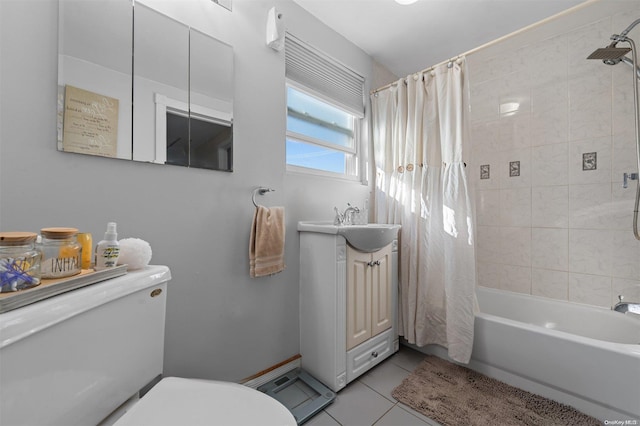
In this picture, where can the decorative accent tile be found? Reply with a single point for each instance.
(484, 171)
(514, 168)
(589, 161)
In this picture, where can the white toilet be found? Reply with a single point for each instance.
(202, 402)
(79, 357)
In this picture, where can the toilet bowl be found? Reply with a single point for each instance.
(177, 401)
(82, 357)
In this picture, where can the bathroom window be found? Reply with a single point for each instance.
(325, 107)
(320, 136)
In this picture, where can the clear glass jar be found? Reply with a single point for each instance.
(19, 261)
(61, 252)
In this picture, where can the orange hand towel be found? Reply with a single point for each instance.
(266, 245)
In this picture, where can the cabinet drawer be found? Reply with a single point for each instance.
(370, 353)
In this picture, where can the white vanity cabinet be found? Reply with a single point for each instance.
(348, 305)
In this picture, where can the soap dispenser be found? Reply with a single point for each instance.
(108, 250)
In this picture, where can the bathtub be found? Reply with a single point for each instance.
(583, 356)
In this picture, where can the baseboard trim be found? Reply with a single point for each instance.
(272, 372)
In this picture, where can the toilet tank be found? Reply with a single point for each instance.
(74, 358)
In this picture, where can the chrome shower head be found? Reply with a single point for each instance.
(610, 55)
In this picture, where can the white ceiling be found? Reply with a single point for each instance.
(407, 39)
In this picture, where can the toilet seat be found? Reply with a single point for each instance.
(177, 401)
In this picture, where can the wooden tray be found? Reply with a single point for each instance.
(52, 287)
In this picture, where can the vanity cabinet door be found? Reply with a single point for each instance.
(358, 297)
(369, 310)
(381, 299)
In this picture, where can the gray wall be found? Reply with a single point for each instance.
(220, 323)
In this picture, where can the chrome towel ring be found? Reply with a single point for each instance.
(260, 190)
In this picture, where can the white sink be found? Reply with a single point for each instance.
(367, 238)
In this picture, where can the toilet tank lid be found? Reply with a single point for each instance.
(28, 320)
(194, 402)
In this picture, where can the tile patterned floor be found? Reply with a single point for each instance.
(367, 401)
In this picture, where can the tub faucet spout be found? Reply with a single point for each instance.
(625, 307)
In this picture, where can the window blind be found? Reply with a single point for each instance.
(322, 74)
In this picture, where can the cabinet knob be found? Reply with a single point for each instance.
(374, 354)
(377, 262)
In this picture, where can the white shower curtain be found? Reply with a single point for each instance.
(420, 142)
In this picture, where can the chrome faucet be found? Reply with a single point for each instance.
(339, 219)
(625, 307)
(348, 214)
(345, 218)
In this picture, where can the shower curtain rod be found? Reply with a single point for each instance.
(386, 86)
(490, 43)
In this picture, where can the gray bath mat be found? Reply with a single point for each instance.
(455, 395)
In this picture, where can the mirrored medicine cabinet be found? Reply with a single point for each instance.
(138, 85)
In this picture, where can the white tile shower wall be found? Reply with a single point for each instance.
(556, 230)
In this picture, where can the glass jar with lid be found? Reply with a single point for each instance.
(61, 252)
(19, 261)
